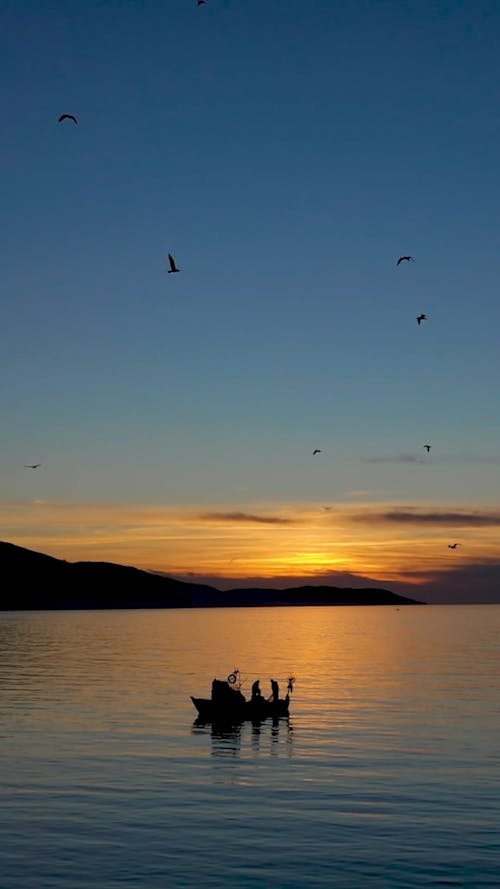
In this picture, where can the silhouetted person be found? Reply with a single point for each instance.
(275, 690)
(256, 692)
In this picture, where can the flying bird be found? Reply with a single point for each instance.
(201, 2)
(427, 447)
(173, 267)
(68, 117)
(317, 451)
(32, 465)
(453, 545)
(421, 318)
(405, 258)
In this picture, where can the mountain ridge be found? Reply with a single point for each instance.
(43, 582)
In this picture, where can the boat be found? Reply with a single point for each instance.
(228, 704)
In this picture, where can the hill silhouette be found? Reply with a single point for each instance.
(35, 581)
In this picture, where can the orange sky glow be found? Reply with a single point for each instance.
(383, 541)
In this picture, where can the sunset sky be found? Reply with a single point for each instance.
(286, 153)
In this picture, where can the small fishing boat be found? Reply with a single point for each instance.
(228, 704)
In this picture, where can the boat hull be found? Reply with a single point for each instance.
(210, 711)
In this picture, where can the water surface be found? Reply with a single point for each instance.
(385, 775)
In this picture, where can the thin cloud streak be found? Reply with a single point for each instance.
(484, 459)
(493, 459)
(246, 518)
(394, 458)
(312, 578)
(411, 517)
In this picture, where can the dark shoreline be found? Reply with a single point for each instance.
(34, 581)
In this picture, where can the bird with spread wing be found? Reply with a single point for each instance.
(173, 268)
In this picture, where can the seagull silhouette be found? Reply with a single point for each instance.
(427, 447)
(201, 2)
(453, 545)
(317, 451)
(173, 267)
(32, 465)
(68, 117)
(405, 258)
(421, 318)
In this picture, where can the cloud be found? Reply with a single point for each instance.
(361, 493)
(493, 459)
(245, 517)
(436, 517)
(314, 578)
(394, 458)
(474, 583)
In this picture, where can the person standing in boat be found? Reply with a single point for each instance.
(256, 692)
(275, 690)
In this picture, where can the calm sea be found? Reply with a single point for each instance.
(387, 773)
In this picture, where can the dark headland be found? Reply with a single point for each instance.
(34, 581)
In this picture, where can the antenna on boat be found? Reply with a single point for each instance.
(233, 677)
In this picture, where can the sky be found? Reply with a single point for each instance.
(287, 154)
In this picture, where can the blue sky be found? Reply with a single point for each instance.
(286, 153)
